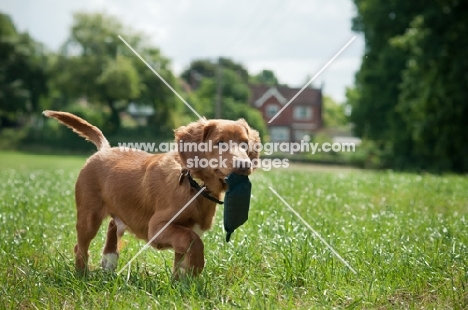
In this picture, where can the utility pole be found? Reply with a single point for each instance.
(219, 86)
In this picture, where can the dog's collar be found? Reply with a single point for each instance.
(205, 193)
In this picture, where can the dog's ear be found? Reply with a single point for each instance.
(209, 127)
(188, 139)
(254, 140)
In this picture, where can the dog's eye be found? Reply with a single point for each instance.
(244, 145)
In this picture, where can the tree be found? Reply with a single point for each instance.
(119, 83)
(433, 100)
(235, 97)
(334, 113)
(206, 68)
(411, 92)
(95, 64)
(266, 77)
(378, 79)
(23, 79)
(153, 92)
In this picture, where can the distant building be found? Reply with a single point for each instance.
(140, 113)
(302, 117)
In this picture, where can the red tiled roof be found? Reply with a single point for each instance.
(308, 96)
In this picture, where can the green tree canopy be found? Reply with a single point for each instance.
(235, 95)
(266, 77)
(433, 99)
(23, 77)
(95, 64)
(334, 113)
(378, 79)
(208, 68)
(411, 92)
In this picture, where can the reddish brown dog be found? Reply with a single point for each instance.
(142, 192)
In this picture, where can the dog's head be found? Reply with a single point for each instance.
(219, 146)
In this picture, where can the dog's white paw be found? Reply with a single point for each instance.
(109, 261)
(179, 273)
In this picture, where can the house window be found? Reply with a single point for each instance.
(302, 113)
(301, 135)
(278, 134)
(271, 110)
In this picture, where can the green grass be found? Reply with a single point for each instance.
(405, 234)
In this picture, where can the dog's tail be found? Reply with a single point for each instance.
(81, 127)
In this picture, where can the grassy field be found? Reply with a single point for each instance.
(405, 234)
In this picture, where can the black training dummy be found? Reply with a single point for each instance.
(236, 202)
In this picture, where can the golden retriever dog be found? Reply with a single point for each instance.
(142, 192)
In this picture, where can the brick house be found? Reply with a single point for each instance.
(303, 116)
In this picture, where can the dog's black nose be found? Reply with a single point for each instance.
(242, 166)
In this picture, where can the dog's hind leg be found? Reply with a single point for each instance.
(110, 254)
(89, 218)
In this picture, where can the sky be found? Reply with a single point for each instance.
(294, 38)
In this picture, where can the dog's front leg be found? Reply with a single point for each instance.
(187, 245)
